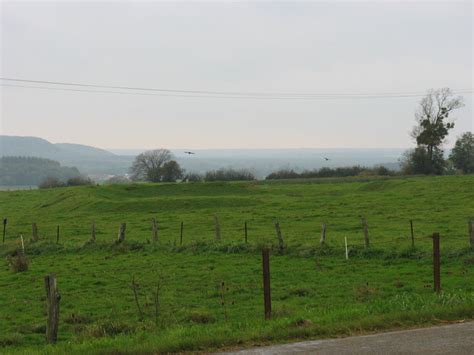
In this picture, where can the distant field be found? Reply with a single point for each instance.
(316, 292)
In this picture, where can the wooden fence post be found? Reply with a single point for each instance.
(471, 232)
(217, 227)
(245, 232)
(22, 244)
(52, 302)
(121, 233)
(34, 228)
(323, 234)
(93, 232)
(57, 234)
(5, 221)
(347, 250)
(267, 299)
(366, 231)
(281, 242)
(436, 263)
(181, 234)
(412, 234)
(154, 228)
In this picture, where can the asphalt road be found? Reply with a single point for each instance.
(455, 339)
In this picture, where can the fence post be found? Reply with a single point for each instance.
(93, 232)
(52, 302)
(181, 234)
(245, 232)
(471, 232)
(281, 243)
(217, 227)
(5, 221)
(34, 228)
(267, 299)
(22, 244)
(121, 233)
(347, 250)
(436, 263)
(57, 234)
(366, 231)
(323, 234)
(154, 228)
(412, 234)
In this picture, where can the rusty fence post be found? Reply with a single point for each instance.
(181, 234)
(266, 283)
(412, 234)
(57, 234)
(52, 302)
(436, 263)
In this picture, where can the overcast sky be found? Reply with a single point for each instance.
(282, 47)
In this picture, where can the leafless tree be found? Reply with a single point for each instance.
(432, 118)
(148, 165)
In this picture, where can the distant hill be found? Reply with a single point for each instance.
(17, 171)
(99, 163)
(89, 160)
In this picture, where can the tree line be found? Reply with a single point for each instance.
(433, 119)
(32, 171)
(433, 122)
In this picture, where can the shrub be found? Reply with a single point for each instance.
(193, 177)
(229, 175)
(79, 181)
(331, 172)
(117, 180)
(283, 174)
(50, 182)
(418, 161)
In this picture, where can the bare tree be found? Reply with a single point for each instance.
(148, 165)
(432, 118)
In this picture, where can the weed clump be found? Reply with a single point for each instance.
(301, 323)
(13, 339)
(109, 329)
(74, 318)
(18, 262)
(200, 317)
(365, 293)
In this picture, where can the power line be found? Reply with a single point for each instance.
(211, 94)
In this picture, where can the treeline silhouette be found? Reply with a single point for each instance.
(32, 171)
(331, 172)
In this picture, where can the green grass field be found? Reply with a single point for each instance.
(210, 292)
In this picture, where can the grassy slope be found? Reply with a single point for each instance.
(310, 284)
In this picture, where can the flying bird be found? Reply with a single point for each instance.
(189, 153)
(327, 159)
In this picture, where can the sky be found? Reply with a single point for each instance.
(267, 47)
